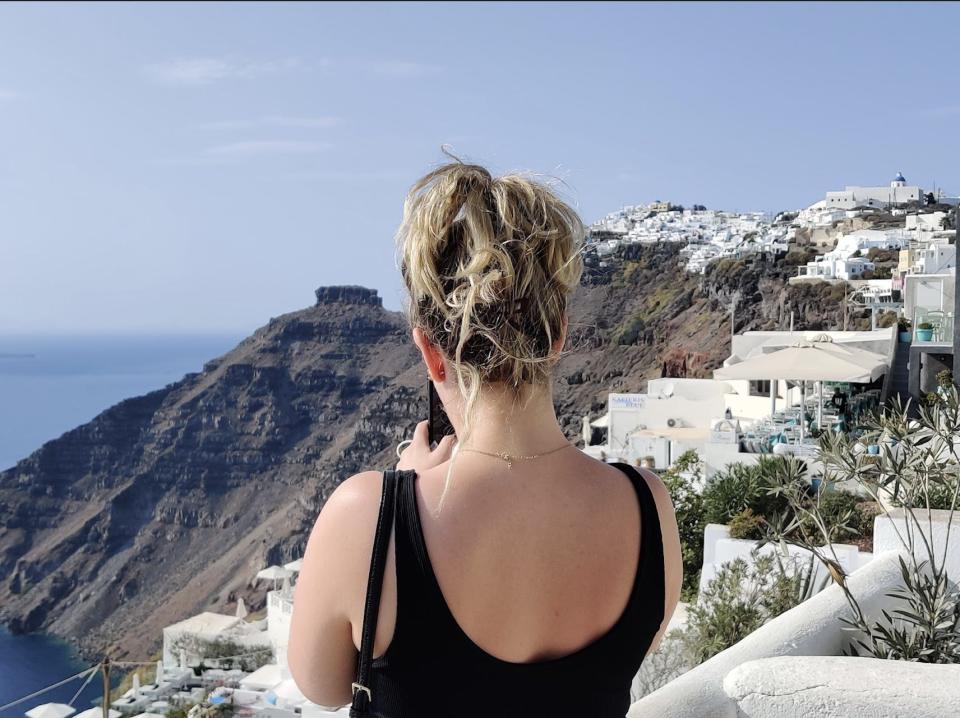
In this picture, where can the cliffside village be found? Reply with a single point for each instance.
(892, 246)
(773, 395)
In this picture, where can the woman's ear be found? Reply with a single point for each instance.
(562, 339)
(432, 356)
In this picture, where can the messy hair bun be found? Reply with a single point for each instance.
(489, 264)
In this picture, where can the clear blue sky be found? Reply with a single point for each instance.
(205, 167)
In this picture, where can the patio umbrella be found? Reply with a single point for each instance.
(241, 608)
(820, 360)
(809, 361)
(136, 683)
(273, 573)
(98, 713)
(51, 710)
(289, 691)
(264, 678)
(294, 566)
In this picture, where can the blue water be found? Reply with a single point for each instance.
(29, 663)
(50, 384)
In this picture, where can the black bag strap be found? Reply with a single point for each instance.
(371, 608)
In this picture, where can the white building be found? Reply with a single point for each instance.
(935, 258)
(924, 293)
(930, 221)
(898, 192)
(844, 261)
(191, 634)
(708, 415)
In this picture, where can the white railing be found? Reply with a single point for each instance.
(277, 600)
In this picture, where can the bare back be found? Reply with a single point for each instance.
(535, 561)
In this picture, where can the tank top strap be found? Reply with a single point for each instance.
(649, 600)
(414, 572)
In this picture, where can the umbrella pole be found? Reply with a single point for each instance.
(803, 407)
(820, 405)
(105, 669)
(773, 397)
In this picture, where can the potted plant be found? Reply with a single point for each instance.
(904, 326)
(925, 331)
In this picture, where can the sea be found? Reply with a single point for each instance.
(29, 663)
(51, 384)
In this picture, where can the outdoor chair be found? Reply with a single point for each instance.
(938, 319)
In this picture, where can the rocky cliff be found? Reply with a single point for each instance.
(167, 504)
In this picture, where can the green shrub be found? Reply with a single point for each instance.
(628, 332)
(682, 481)
(839, 512)
(741, 598)
(916, 469)
(729, 492)
(738, 487)
(746, 525)
(867, 511)
(942, 495)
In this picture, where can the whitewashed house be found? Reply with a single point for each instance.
(898, 192)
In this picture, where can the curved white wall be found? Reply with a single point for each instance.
(843, 687)
(811, 629)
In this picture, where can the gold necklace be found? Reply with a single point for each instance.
(510, 458)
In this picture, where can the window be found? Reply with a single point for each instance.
(760, 387)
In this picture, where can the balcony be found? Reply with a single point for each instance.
(933, 326)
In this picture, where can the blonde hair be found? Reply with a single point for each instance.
(489, 264)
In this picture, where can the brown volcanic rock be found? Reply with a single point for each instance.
(167, 504)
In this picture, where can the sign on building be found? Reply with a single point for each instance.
(627, 401)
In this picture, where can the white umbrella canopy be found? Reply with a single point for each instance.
(51, 710)
(289, 691)
(98, 713)
(601, 423)
(273, 573)
(264, 678)
(809, 361)
(294, 566)
(241, 608)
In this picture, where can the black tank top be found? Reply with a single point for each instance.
(432, 669)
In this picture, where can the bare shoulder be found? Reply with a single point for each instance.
(339, 546)
(659, 490)
(352, 509)
(332, 580)
(357, 490)
(669, 531)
